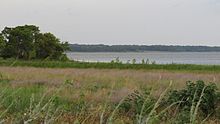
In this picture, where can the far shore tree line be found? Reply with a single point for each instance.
(27, 43)
(140, 48)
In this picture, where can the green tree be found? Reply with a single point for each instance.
(2, 43)
(26, 42)
(19, 41)
(47, 46)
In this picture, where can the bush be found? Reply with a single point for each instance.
(192, 93)
(183, 106)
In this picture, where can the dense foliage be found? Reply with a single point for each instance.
(193, 93)
(27, 42)
(140, 48)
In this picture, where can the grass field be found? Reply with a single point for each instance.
(91, 95)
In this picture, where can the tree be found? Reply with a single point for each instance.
(19, 41)
(2, 43)
(50, 47)
(26, 42)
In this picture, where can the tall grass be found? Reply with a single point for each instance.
(195, 107)
(156, 105)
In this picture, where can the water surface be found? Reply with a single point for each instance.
(210, 58)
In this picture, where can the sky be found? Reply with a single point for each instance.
(142, 22)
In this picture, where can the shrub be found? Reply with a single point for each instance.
(192, 94)
(182, 106)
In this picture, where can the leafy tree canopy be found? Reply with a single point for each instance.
(2, 42)
(27, 42)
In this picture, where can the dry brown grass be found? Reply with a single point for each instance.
(81, 76)
(125, 81)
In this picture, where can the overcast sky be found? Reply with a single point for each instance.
(167, 22)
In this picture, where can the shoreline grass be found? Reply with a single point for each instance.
(102, 65)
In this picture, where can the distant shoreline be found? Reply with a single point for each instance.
(141, 48)
(144, 52)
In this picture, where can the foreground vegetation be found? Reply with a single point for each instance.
(73, 102)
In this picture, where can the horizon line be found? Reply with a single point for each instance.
(145, 45)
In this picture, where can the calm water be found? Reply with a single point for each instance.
(212, 58)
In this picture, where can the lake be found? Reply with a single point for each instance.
(210, 58)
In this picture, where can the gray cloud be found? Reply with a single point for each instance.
(183, 22)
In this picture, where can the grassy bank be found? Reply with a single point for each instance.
(101, 65)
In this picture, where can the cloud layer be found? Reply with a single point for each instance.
(183, 22)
